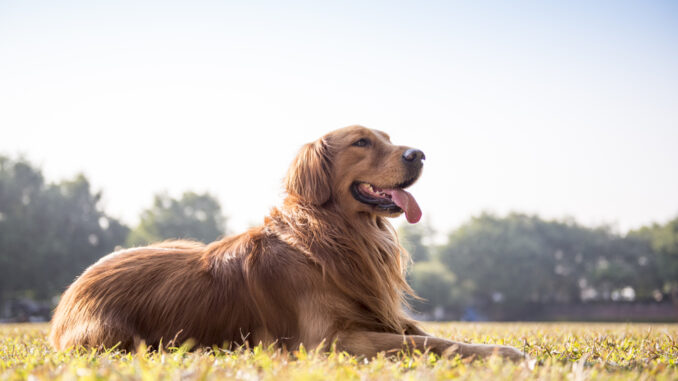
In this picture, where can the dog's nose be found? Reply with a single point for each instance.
(412, 155)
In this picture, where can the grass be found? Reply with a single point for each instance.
(564, 351)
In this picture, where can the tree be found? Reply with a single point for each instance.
(523, 259)
(663, 242)
(194, 216)
(416, 240)
(49, 233)
(434, 284)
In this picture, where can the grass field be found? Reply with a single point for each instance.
(563, 351)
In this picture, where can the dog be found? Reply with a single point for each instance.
(325, 269)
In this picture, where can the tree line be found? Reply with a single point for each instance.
(51, 231)
(517, 262)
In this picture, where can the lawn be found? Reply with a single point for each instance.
(562, 351)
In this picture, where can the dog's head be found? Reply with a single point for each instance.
(359, 170)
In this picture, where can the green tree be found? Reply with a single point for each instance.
(436, 285)
(523, 259)
(416, 239)
(663, 242)
(193, 216)
(49, 233)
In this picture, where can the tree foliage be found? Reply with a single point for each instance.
(413, 238)
(521, 259)
(193, 216)
(434, 284)
(49, 233)
(663, 240)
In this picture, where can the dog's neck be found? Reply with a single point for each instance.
(360, 254)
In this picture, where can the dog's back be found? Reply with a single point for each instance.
(158, 293)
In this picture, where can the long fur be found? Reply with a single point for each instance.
(319, 270)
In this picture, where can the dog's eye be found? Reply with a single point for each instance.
(361, 143)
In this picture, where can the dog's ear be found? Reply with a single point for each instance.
(309, 176)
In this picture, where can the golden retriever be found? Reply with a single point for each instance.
(324, 268)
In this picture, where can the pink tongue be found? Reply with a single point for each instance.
(407, 203)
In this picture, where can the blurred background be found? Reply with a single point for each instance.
(550, 131)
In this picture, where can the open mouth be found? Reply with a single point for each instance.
(392, 199)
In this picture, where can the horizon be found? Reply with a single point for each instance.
(559, 110)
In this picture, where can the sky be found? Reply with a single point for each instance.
(563, 109)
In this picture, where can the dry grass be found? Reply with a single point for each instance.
(562, 350)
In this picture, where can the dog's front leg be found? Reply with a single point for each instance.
(368, 344)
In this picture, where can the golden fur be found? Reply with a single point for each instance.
(323, 268)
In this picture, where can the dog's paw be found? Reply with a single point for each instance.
(511, 353)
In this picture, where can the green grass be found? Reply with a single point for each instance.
(563, 351)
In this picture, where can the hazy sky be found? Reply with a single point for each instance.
(557, 108)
